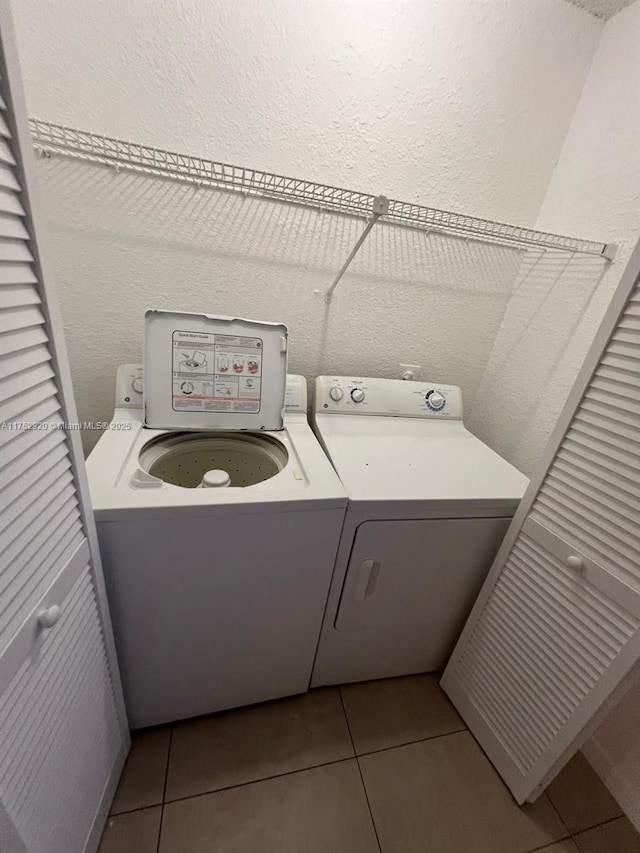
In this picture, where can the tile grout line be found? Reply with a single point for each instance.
(256, 781)
(601, 823)
(288, 772)
(572, 835)
(548, 844)
(411, 742)
(164, 787)
(364, 787)
(557, 811)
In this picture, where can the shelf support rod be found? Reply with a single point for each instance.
(379, 208)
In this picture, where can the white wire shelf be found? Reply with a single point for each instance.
(50, 138)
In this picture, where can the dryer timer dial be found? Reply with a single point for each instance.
(435, 400)
(357, 395)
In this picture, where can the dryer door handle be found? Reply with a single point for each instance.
(368, 572)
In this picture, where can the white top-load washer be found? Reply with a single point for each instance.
(218, 544)
(429, 504)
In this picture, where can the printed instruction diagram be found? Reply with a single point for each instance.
(214, 372)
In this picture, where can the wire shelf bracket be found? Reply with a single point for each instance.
(379, 208)
(49, 138)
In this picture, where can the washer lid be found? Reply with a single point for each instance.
(207, 372)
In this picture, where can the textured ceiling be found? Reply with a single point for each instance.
(601, 8)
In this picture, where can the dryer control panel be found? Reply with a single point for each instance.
(352, 395)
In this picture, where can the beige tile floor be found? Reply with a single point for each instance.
(380, 767)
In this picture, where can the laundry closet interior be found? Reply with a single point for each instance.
(321, 426)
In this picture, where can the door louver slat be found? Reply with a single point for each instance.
(14, 251)
(45, 536)
(606, 442)
(23, 359)
(44, 408)
(11, 342)
(27, 379)
(597, 474)
(631, 321)
(20, 318)
(18, 296)
(11, 227)
(625, 384)
(21, 536)
(59, 471)
(613, 432)
(32, 460)
(17, 405)
(26, 448)
(8, 178)
(600, 508)
(9, 203)
(617, 362)
(5, 153)
(16, 274)
(612, 399)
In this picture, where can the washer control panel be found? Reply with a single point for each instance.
(129, 386)
(391, 397)
(295, 396)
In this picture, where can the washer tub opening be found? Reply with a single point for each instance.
(183, 458)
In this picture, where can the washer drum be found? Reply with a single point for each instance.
(182, 459)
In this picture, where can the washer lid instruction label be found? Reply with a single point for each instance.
(216, 373)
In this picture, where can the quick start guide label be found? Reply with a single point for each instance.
(216, 373)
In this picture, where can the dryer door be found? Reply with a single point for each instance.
(422, 574)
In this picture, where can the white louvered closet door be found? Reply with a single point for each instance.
(63, 735)
(555, 633)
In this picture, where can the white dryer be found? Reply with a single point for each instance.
(428, 507)
(216, 593)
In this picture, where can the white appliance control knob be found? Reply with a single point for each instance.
(137, 384)
(357, 395)
(436, 400)
(336, 394)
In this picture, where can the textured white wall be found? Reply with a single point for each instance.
(552, 319)
(548, 327)
(458, 103)
(122, 243)
(462, 104)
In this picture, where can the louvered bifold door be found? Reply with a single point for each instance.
(555, 632)
(62, 727)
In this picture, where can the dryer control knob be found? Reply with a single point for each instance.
(357, 395)
(435, 400)
(336, 394)
(137, 384)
